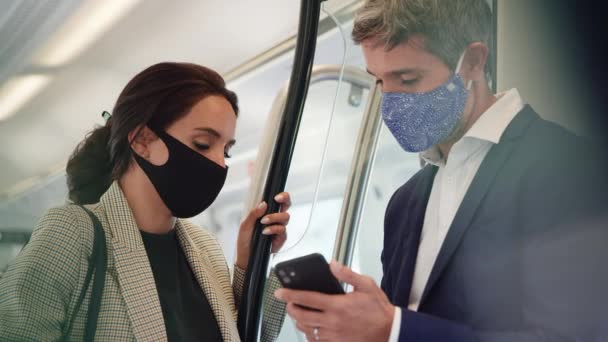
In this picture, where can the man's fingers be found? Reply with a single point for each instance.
(314, 300)
(306, 317)
(322, 334)
(345, 274)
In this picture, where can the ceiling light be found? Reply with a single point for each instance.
(17, 91)
(87, 24)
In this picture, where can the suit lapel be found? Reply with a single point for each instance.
(413, 224)
(204, 274)
(490, 167)
(135, 277)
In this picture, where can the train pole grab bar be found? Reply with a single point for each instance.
(255, 278)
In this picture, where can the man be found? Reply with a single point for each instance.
(490, 240)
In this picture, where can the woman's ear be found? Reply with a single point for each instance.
(140, 139)
(474, 63)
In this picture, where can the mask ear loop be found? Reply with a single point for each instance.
(459, 65)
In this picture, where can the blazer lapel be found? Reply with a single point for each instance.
(201, 268)
(135, 277)
(491, 165)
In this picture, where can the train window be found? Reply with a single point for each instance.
(316, 215)
(11, 242)
(391, 167)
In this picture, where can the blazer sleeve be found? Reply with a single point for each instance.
(37, 289)
(273, 309)
(238, 284)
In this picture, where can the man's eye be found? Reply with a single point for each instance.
(409, 82)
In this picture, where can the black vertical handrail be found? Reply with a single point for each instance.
(494, 47)
(255, 278)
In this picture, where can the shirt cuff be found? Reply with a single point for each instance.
(395, 329)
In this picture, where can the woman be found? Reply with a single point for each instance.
(159, 158)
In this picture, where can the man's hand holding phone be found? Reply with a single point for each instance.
(365, 314)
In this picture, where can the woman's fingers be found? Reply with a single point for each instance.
(279, 236)
(276, 218)
(284, 199)
(278, 241)
(274, 223)
(274, 230)
(253, 215)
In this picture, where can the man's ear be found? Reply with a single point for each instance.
(474, 63)
(140, 138)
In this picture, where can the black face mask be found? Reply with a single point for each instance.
(188, 182)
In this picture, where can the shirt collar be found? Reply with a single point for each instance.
(489, 126)
(494, 121)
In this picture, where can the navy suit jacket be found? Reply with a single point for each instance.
(525, 257)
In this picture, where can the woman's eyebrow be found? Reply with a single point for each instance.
(210, 131)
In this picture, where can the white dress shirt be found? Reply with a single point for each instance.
(453, 178)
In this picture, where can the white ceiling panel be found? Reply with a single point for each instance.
(216, 33)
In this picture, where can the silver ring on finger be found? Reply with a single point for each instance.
(315, 333)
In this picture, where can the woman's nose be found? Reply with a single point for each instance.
(218, 158)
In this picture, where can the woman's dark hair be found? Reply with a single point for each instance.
(156, 97)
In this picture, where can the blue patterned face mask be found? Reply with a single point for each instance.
(421, 120)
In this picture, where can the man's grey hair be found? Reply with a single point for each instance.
(447, 26)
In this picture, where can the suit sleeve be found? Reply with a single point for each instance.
(385, 281)
(563, 270)
(36, 290)
(416, 326)
(563, 281)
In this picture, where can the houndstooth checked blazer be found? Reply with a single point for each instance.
(39, 291)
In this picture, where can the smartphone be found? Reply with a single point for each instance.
(310, 273)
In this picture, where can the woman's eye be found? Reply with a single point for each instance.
(201, 147)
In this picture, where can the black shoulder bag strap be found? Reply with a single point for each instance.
(98, 264)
